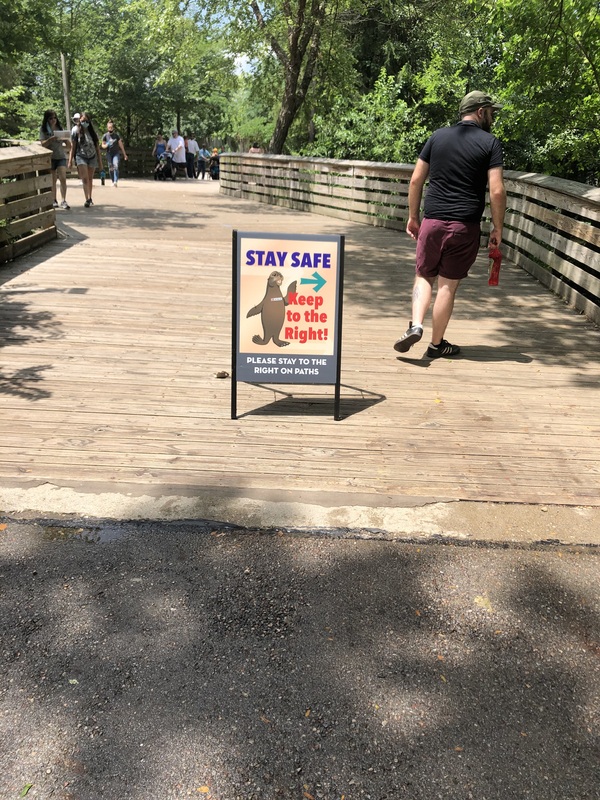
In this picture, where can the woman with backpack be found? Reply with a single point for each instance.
(85, 149)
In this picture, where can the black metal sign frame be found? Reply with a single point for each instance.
(287, 297)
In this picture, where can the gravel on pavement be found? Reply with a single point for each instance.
(150, 661)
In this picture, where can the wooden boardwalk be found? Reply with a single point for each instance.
(112, 336)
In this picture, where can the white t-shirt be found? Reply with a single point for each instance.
(193, 147)
(177, 146)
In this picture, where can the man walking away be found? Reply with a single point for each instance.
(460, 161)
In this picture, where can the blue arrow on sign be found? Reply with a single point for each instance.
(318, 280)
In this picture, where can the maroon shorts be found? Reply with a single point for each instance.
(445, 248)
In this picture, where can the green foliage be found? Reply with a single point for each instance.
(541, 57)
(378, 126)
(297, 35)
(23, 27)
(11, 109)
(361, 79)
(386, 34)
(251, 118)
(144, 63)
(551, 73)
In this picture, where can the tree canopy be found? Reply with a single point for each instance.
(364, 79)
(147, 64)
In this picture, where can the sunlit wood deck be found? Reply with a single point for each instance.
(111, 338)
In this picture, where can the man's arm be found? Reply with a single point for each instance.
(415, 193)
(497, 205)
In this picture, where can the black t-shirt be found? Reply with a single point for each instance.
(459, 158)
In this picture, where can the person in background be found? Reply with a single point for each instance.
(192, 155)
(85, 151)
(113, 144)
(50, 124)
(213, 164)
(460, 161)
(176, 147)
(159, 147)
(256, 148)
(203, 159)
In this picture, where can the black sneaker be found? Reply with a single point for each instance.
(87, 203)
(412, 336)
(444, 348)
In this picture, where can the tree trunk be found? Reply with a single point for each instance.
(67, 98)
(298, 56)
(287, 114)
(312, 133)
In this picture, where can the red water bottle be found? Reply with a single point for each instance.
(495, 262)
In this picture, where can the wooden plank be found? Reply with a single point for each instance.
(26, 205)
(329, 211)
(350, 202)
(26, 187)
(587, 197)
(309, 179)
(169, 481)
(566, 225)
(111, 341)
(322, 201)
(378, 191)
(575, 202)
(25, 225)
(566, 292)
(554, 240)
(572, 272)
(23, 166)
(25, 245)
(340, 167)
(578, 275)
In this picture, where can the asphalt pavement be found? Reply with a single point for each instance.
(150, 661)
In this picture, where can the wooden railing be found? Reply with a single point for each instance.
(27, 218)
(552, 226)
(140, 163)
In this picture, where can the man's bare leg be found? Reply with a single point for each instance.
(421, 298)
(442, 308)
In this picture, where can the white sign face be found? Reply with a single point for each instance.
(287, 308)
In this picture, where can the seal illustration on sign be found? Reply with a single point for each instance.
(272, 310)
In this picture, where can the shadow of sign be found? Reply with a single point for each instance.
(289, 405)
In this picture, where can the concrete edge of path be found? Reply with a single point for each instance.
(404, 518)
